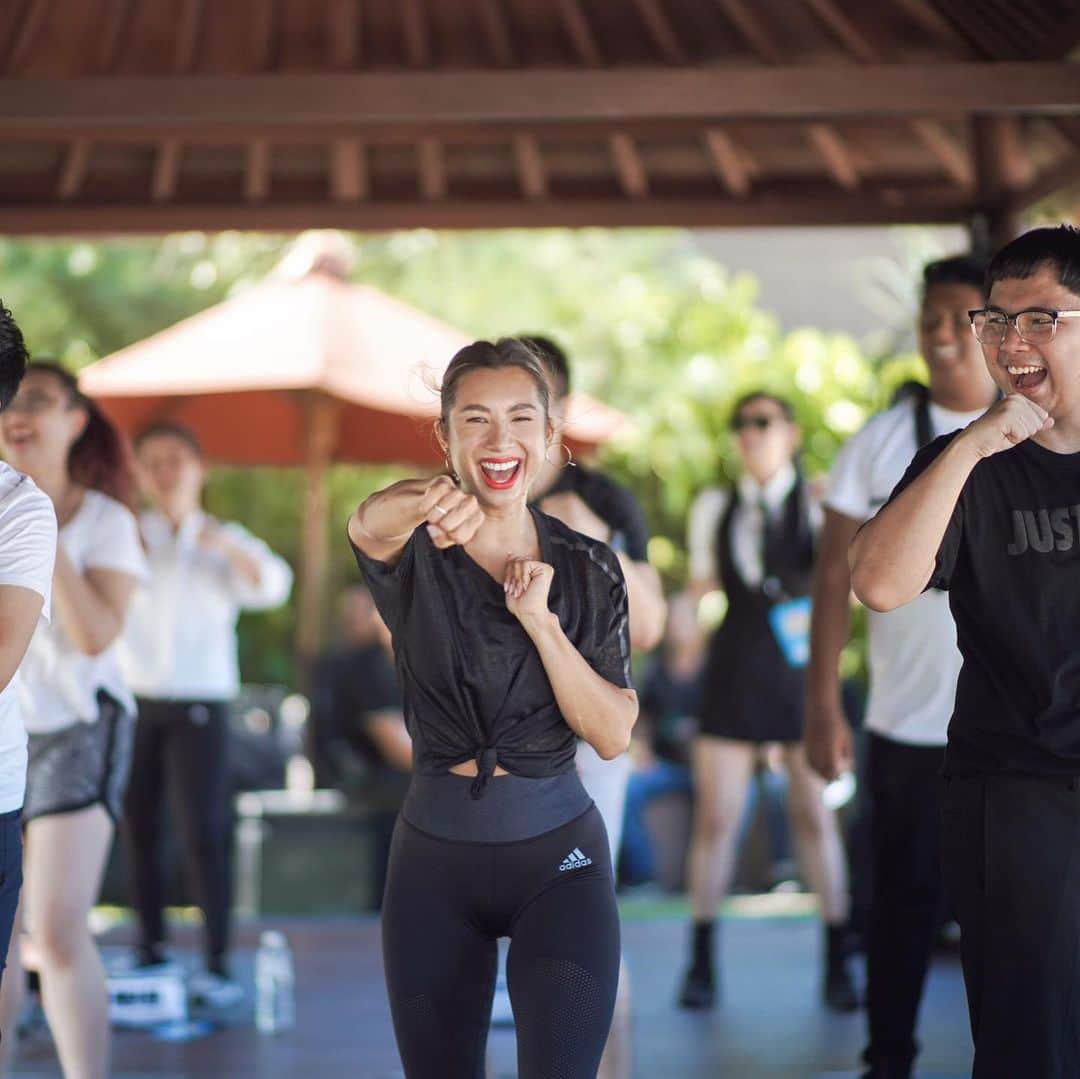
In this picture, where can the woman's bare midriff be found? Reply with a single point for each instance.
(468, 768)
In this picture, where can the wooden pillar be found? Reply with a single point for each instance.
(321, 419)
(1003, 168)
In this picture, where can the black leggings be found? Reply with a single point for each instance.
(446, 904)
(181, 745)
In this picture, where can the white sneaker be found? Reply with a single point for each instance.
(213, 991)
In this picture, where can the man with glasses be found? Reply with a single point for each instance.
(913, 667)
(27, 554)
(992, 514)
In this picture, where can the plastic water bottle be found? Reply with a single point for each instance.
(274, 1003)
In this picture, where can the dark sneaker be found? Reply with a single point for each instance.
(840, 992)
(698, 989)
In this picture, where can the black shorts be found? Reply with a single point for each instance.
(446, 904)
(81, 765)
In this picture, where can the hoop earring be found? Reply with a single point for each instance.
(568, 463)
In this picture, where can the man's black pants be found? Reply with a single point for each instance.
(905, 792)
(1011, 859)
(181, 745)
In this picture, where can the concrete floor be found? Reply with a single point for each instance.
(771, 1025)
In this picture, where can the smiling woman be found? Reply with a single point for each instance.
(511, 640)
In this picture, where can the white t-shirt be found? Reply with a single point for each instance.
(60, 683)
(180, 637)
(27, 554)
(914, 661)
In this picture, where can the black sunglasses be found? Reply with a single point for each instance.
(760, 423)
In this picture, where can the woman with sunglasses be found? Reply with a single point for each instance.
(756, 541)
(79, 711)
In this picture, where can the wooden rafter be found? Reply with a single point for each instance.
(188, 32)
(497, 31)
(934, 23)
(264, 38)
(414, 29)
(834, 152)
(29, 23)
(727, 162)
(845, 30)
(1064, 175)
(751, 30)
(343, 39)
(579, 32)
(257, 171)
(166, 170)
(469, 99)
(532, 174)
(629, 168)
(661, 31)
(114, 28)
(432, 166)
(348, 171)
(73, 170)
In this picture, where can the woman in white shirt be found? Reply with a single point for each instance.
(756, 541)
(79, 711)
(180, 652)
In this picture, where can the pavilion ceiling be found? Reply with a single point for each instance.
(153, 115)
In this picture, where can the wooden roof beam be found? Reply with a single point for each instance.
(73, 170)
(530, 166)
(629, 168)
(414, 29)
(497, 31)
(834, 152)
(661, 31)
(750, 29)
(188, 32)
(349, 180)
(579, 32)
(727, 162)
(166, 171)
(1062, 176)
(794, 208)
(432, 165)
(343, 22)
(27, 27)
(934, 23)
(257, 171)
(470, 99)
(265, 45)
(114, 29)
(842, 27)
(941, 143)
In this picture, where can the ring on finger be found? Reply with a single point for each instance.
(442, 509)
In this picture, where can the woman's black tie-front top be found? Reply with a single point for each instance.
(472, 681)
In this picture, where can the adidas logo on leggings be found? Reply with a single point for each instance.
(574, 860)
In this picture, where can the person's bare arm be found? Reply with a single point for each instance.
(383, 522)
(826, 733)
(91, 605)
(20, 609)
(386, 728)
(893, 555)
(647, 606)
(600, 712)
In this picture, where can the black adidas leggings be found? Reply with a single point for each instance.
(446, 904)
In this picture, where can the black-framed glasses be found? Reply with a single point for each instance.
(759, 423)
(1035, 325)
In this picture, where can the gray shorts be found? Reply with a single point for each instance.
(81, 765)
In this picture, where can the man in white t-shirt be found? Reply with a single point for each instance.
(27, 554)
(914, 664)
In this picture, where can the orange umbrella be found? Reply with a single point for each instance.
(302, 369)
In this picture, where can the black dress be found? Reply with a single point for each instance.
(751, 692)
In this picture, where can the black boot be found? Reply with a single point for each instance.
(699, 985)
(840, 992)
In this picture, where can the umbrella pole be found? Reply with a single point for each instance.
(321, 416)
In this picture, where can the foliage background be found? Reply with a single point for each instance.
(653, 327)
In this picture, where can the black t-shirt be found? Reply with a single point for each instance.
(612, 503)
(350, 686)
(472, 680)
(1010, 560)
